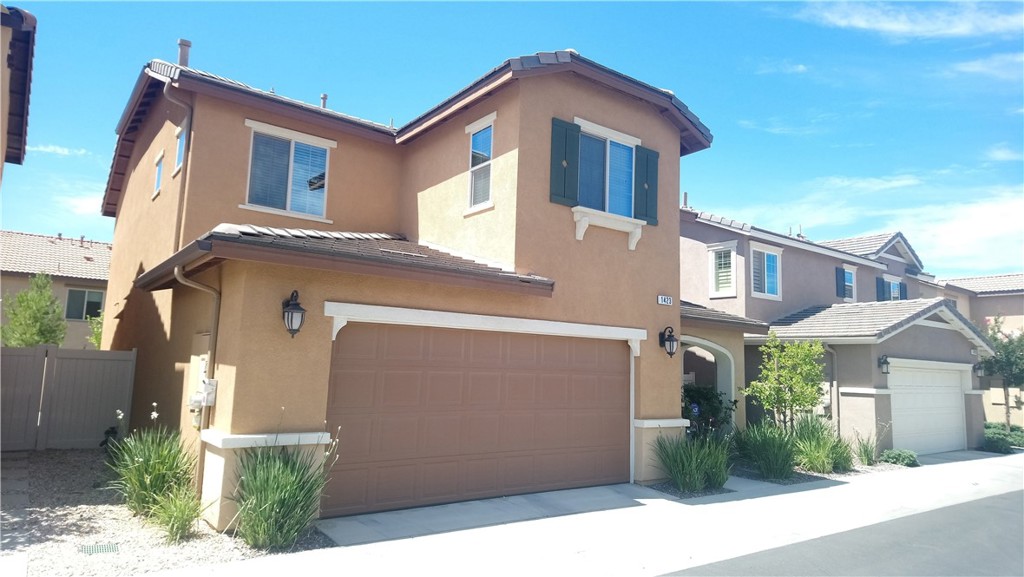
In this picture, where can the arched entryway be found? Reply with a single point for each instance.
(706, 364)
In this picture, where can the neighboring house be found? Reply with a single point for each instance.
(17, 39)
(982, 299)
(864, 299)
(480, 285)
(78, 268)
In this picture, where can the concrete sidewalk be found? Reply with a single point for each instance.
(630, 530)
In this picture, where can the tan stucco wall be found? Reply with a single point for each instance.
(994, 402)
(984, 309)
(77, 331)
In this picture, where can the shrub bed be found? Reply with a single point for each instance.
(904, 457)
(1015, 436)
(694, 465)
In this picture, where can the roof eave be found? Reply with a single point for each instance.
(20, 56)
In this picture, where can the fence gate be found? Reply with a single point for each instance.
(55, 398)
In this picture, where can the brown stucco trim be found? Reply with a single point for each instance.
(19, 57)
(203, 253)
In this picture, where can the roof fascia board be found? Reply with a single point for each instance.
(749, 338)
(455, 104)
(905, 250)
(762, 234)
(133, 101)
(158, 277)
(718, 324)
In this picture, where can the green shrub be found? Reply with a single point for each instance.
(278, 494)
(150, 463)
(904, 457)
(770, 448)
(842, 455)
(813, 441)
(717, 465)
(715, 413)
(177, 512)
(867, 449)
(694, 464)
(1015, 436)
(997, 441)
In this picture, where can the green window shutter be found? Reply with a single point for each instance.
(565, 162)
(840, 282)
(903, 291)
(645, 186)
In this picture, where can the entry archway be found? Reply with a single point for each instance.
(724, 370)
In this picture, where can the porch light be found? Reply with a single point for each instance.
(668, 341)
(979, 370)
(293, 313)
(883, 363)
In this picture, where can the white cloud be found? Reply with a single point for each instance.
(909, 20)
(1003, 153)
(999, 66)
(80, 205)
(863, 185)
(784, 67)
(815, 124)
(58, 150)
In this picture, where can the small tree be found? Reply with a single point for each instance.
(1008, 360)
(790, 379)
(35, 317)
(95, 330)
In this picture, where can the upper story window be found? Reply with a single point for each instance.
(765, 271)
(722, 269)
(159, 169)
(179, 149)
(481, 144)
(890, 288)
(83, 304)
(288, 170)
(846, 283)
(606, 169)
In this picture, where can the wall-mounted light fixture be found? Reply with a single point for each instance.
(293, 313)
(883, 363)
(979, 370)
(668, 341)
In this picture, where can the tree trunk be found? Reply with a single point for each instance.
(1006, 403)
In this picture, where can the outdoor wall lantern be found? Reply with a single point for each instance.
(668, 341)
(979, 370)
(293, 313)
(883, 363)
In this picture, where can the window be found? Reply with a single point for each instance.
(159, 173)
(846, 283)
(480, 155)
(765, 270)
(179, 147)
(721, 267)
(288, 170)
(603, 170)
(890, 288)
(83, 304)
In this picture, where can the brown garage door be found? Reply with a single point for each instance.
(431, 415)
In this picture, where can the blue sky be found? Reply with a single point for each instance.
(840, 119)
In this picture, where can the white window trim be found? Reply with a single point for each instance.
(766, 248)
(852, 270)
(471, 129)
(609, 136)
(586, 217)
(890, 279)
(712, 249)
(158, 167)
(294, 136)
(67, 299)
(178, 137)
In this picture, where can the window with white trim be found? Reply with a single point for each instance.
(159, 169)
(894, 290)
(179, 149)
(481, 143)
(288, 170)
(606, 169)
(765, 271)
(849, 283)
(722, 269)
(82, 304)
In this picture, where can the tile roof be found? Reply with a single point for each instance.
(688, 310)
(864, 319)
(860, 245)
(1000, 283)
(57, 256)
(367, 248)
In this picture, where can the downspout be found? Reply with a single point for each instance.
(835, 384)
(204, 416)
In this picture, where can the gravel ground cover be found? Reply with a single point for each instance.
(69, 513)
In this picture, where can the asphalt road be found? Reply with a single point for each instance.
(983, 537)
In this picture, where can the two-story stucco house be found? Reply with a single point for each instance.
(480, 285)
(900, 366)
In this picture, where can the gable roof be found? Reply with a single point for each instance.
(27, 253)
(990, 285)
(871, 322)
(751, 231)
(158, 74)
(701, 314)
(872, 246)
(378, 254)
(18, 56)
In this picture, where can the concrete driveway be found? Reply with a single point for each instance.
(630, 530)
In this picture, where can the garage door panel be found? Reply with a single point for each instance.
(927, 410)
(472, 414)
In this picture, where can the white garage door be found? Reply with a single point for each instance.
(927, 410)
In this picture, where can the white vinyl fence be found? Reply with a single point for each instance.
(53, 398)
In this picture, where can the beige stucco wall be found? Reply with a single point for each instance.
(727, 346)
(994, 403)
(77, 331)
(984, 309)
